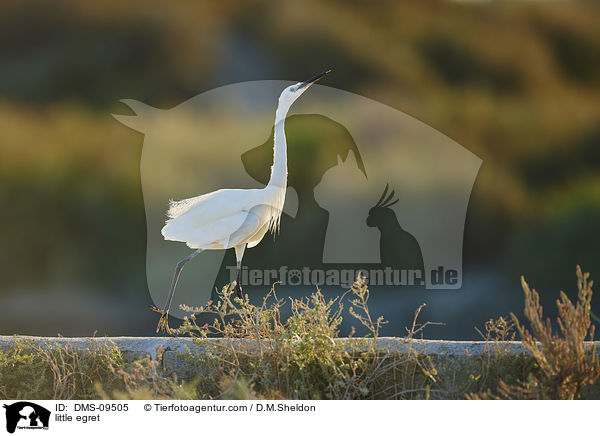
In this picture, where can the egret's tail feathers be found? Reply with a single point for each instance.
(179, 207)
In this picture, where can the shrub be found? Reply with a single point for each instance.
(302, 358)
(51, 370)
(563, 362)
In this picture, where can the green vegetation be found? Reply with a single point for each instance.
(259, 356)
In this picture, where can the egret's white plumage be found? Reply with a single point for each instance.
(225, 218)
(234, 218)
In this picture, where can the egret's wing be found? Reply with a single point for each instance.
(227, 232)
(205, 211)
(207, 234)
(179, 207)
(220, 233)
(216, 234)
(222, 219)
(252, 225)
(214, 205)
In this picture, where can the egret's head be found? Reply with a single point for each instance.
(291, 93)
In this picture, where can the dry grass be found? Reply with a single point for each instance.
(564, 363)
(55, 371)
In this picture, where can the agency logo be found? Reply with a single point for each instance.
(26, 415)
(370, 190)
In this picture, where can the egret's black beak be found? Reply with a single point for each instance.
(314, 79)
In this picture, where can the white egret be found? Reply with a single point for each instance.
(233, 218)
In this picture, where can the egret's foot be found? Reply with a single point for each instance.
(238, 290)
(163, 322)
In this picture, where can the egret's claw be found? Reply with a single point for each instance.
(163, 324)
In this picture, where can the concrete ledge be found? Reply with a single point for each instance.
(455, 361)
(137, 347)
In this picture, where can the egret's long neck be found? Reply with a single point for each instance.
(279, 168)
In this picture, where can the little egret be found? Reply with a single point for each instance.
(233, 218)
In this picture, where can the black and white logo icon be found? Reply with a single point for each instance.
(26, 415)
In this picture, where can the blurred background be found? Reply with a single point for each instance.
(516, 83)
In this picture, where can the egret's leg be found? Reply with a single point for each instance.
(239, 253)
(238, 283)
(178, 268)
